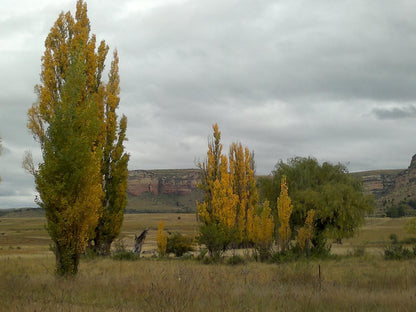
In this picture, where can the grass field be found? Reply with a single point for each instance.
(346, 283)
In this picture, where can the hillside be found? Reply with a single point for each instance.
(169, 190)
(394, 190)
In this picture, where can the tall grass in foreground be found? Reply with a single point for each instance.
(349, 284)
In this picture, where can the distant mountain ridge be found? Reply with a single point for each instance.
(175, 190)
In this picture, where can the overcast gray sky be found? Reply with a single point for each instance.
(331, 79)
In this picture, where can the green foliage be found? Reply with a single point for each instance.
(335, 195)
(396, 211)
(68, 180)
(83, 178)
(216, 237)
(179, 244)
(396, 251)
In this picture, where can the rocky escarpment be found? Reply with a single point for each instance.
(172, 182)
(394, 190)
(163, 190)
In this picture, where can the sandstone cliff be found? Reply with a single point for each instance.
(394, 190)
(172, 190)
(173, 182)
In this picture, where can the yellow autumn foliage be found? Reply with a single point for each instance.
(230, 192)
(161, 239)
(284, 211)
(305, 233)
(83, 177)
(263, 228)
(244, 186)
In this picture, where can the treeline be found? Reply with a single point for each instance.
(300, 207)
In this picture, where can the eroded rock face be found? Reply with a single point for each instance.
(176, 182)
(391, 187)
(378, 184)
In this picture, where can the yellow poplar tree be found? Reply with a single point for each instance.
(217, 213)
(244, 186)
(69, 121)
(284, 211)
(210, 172)
(263, 229)
(161, 239)
(113, 166)
(305, 233)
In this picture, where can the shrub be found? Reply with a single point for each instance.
(236, 259)
(122, 253)
(397, 252)
(179, 244)
(216, 237)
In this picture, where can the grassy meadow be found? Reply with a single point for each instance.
(358, 279)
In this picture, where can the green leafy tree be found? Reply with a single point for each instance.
(336, 196)
(82, 179)
(69, 180)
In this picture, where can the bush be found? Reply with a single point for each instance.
(398, 252)
(216, 237)
(179, 244)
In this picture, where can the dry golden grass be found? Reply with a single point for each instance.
(366, 283)
(172, 285)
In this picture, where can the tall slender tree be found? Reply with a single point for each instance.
(74, 120)
(217, 212)
(284, 211)
(230, 208)
(69, 179)
(114, 167)
(244, 186)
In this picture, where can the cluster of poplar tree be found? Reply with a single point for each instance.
(230, 214)
(301, 205)
(82, 180)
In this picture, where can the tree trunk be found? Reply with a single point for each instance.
(138, 242)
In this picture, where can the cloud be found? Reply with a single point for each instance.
(329, 79)
(396, 112)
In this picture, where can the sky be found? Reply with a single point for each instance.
(335, 80)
